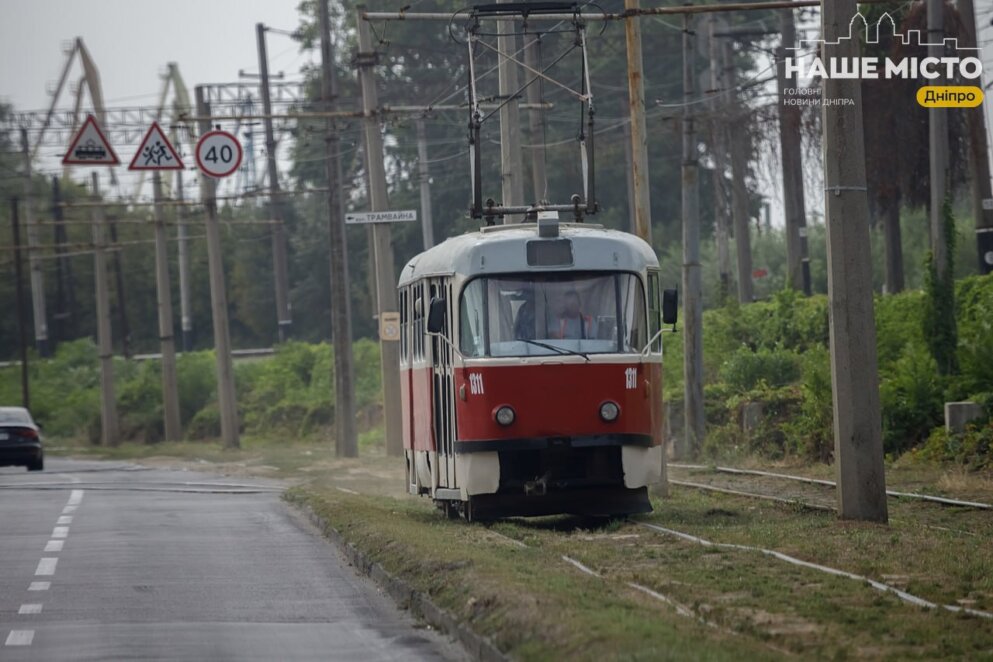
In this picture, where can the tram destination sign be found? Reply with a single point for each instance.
(402, 216)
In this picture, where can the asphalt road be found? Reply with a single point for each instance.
(110, 561)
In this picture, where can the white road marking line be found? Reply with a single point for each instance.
(65, 519)
(75, 497)
(46, 566)
(54, 545)
(40, 586)
(20, 638)
(69, 509)
(60, 532)
(30, 608)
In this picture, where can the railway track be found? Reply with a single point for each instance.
(813, 481)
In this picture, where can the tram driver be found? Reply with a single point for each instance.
(572, 321)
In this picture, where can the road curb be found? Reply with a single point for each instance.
(478, 646)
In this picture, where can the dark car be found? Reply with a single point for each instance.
(20, 439)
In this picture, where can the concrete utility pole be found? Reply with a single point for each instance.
(539, 178)
(639, 132)
(858, 446)
(979, 165)
(938, 145)
(692, 287)
(382, 243)
(34, 262)
(109, 431)
(739, 192)
(427, 223)
(185, 312)
(122, 309)
(63, 314)
(791, 160)
(719, 147)
(345, 436)
(283, 314)
(22, 323)
(226, 399)
(167, 339)
(511, 164)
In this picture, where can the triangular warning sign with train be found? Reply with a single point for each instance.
(90, 147)
(156, 152)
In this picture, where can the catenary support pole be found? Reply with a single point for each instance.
(539, 178)
(424, 178)
(938, 145)
(22, 322)
(183, 249)
(719, 148)
(791, 162)
(511, 165)
(858, 455)
(109, 430)
(692, 288)
(979, 164)
(346, 439)
(218, 299)
(167, 339)
(386, 299)
(34, 261)
(280, 276)
(739, 192)
(639, 131)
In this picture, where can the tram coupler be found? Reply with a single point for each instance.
(537, 487)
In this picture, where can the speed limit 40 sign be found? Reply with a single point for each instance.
(218, 154)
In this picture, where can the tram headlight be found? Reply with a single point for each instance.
(609, 411)
(504, 415)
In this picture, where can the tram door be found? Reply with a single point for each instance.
(443, 376)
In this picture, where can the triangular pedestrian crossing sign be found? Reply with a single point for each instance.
(156, 152)
(90, 147)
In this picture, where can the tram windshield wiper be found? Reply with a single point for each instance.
(560, 350)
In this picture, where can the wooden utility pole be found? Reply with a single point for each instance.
(739, 192)
(718, 140)
(185, 312)
(539, 179)
(511, 164)
(167, 339)
(382, 242)
(22, 323)
(345, 437)
(938, 145)
(858, 455)
(226, 399)
(109, 430)
(639, 131)
(979, 165)
(34, 262)
(424, 176)
(692, 287)
(791, 160)
(283, 314)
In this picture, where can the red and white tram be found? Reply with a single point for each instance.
(531, 370)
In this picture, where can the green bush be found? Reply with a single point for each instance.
(912, 399)
(746, 369)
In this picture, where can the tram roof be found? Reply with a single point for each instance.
(503, 249)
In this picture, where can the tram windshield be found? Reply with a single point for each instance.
(545, 314)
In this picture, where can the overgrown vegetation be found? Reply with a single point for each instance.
(291, 393)
(775, 353)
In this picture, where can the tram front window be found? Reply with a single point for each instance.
(554, 313)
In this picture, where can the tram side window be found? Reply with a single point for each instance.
(471, 319)
(404, 328)
(418, 301)
(654, 311)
